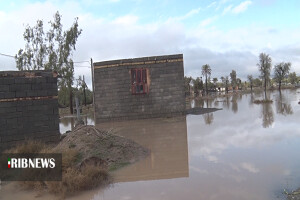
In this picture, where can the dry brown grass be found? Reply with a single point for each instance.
(28, 146)
(74, 179)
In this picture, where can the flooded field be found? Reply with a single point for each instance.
(244, 151)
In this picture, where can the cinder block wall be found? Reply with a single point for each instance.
(28, 107)
(112, 88)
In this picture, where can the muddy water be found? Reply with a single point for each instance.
(244, 151)
(67, 123)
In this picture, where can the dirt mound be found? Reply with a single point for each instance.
(98, 146)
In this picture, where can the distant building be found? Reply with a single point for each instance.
(139, 88)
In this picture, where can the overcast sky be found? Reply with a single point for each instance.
(226, 34)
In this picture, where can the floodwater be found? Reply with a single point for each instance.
(245, 151)
(67, 123)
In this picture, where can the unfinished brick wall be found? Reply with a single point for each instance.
(113, 88)
(28, 107)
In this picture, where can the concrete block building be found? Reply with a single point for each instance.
(28, 107)
(139, 88)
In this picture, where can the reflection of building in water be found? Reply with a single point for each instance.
(167, 140)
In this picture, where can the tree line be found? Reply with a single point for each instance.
(206, 84)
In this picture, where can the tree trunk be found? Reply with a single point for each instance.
(206, 84)
(251, 87)
(265, 85)
(71, 100)
(279, 85)
(84, 96)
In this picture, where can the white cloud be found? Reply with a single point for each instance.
(227, 9)
(241, 7)
(126, 20)
(250, 167)
(125, 37)
(212, 4)
(187, 15)
(208, 21)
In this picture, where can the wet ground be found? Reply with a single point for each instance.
(244, 151)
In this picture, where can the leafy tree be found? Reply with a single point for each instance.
(215, 80)
(293, 78)
(233, 78)
(264, 66)
(225, 82)
(201, 84)
(257, 82)
(281, 71)
(250, 78)
(187, 83)
(81, 86)
(222, 80)
(51, 51)
(238, 82)
(206, 71)
(198, 85)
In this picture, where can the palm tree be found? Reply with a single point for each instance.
(206, 71)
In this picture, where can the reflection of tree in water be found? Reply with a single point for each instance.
(251, 99)
(209, 103)
(267, 115)
(199, 103)
(208, 118)
(226, 103)
(234, 106)
(283, 107)
(216, 103)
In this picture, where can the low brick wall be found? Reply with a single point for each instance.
(113, 88)
(28, 107)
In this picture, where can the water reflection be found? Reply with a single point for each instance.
(234, 105)
(283, 106)
(267, 115)
(245, 151)
(208, 118)
(235, 157)
(167, 140)
(226, 103)
(67, 123)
